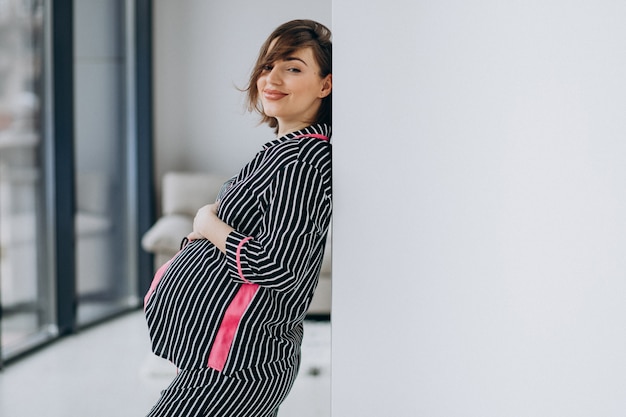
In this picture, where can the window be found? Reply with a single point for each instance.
(26, 291)
(75, 165)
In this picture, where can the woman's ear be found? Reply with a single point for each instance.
(327, 86)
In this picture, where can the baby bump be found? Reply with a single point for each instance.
(186, 307)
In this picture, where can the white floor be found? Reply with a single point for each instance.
(109, 371)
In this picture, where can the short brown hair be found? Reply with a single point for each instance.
(290, 37)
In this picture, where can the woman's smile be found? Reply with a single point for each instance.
(273, 94)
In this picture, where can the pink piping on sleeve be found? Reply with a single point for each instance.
(238, 258)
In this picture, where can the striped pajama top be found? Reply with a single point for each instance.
(241, 313)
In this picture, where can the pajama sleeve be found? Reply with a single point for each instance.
(290, 239)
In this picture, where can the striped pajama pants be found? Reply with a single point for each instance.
(209, 393)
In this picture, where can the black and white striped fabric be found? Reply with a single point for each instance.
(232, 323)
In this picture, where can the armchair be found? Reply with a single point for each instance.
(182, 195)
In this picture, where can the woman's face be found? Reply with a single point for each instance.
(291, 90)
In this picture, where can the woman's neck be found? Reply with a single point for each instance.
(286, 128)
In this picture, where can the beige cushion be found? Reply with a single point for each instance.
(185, 192)
(167, 233)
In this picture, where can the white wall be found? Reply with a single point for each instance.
(479, 188)
(480, 200)
(204, 51)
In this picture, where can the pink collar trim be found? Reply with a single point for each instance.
(312, 135)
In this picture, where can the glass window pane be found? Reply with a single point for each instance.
(105, 283)
(25, 279)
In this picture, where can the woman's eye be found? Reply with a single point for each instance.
(294, 70)
(267, 67)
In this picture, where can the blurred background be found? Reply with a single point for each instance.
(487, 281)
(98, 100)
(101, 100)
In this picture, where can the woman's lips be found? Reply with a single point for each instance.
(273, 94)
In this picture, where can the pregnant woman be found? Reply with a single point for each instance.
(228, 309)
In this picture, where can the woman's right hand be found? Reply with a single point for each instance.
(206, 225)
(194, 236)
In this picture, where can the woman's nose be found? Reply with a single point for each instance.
(273, 76)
